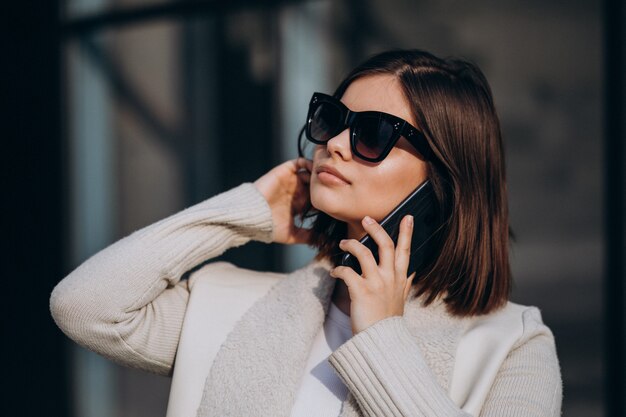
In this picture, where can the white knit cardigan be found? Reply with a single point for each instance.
(236, 341)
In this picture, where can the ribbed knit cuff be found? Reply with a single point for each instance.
(126, 301)
(246, 201)
(384, 369)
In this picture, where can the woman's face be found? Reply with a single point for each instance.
(371, 189)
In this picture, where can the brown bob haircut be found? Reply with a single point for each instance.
(453, 107)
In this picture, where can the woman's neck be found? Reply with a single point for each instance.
(355, 231)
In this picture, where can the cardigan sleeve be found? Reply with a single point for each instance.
(385, 371)
(127, 302)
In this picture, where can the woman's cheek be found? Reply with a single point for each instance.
(319, 200)
(313, 197)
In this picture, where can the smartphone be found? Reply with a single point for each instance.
(421, 204)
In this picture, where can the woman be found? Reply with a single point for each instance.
(325, 340)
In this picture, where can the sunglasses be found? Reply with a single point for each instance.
(372, 133)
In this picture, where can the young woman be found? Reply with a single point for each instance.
(325, 340)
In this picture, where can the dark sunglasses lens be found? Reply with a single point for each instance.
(372, 135)
(325, 121)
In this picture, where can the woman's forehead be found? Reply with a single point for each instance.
(381, 92)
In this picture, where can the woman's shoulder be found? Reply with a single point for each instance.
(526, 320)
(514, 330)
(516, 322)
(222, 288)
(515, 333)
(226, 274)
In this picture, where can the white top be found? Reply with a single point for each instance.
(321, 391)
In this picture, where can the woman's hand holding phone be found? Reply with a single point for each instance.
(382, 289)
(286, 189)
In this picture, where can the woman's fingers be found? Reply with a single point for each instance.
(391, 258)
(304, 164)
(285, 187)
(362, 254)
(348, 275)
(409, 283)
(305, 176)
(382, 239)
(303, 169)
(403, 247)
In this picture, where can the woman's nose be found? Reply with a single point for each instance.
(340, 145)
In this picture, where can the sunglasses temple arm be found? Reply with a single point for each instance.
(300, 153)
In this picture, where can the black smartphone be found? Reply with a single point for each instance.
(421, 204)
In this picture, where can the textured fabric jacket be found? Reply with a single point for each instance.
(236, 341)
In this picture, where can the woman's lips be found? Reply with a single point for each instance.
(330, 175)
(330, 179)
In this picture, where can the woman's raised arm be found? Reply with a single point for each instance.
(127, 302)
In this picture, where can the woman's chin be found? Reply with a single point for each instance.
(322, 205)
(334, 213)
(327, 200)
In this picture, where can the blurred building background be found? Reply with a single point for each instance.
(135, 109)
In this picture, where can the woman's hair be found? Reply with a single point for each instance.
(452, 105)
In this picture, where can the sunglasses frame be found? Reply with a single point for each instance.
(401, 128)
